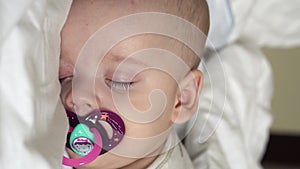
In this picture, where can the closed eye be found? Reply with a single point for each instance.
(119, 85)
(65, 78)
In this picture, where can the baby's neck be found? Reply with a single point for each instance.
(142, 163)
(145, 162)
(168, 144)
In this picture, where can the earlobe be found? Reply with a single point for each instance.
(188, 96)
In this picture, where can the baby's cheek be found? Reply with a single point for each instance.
(158, 102)
(140, 101)
(152, 99)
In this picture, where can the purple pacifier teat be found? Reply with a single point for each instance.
(88, 138)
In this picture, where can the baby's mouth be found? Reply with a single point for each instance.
(81, 140)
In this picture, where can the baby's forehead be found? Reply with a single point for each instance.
(97, 13)
(147, 50)
(87, 17)
(145, 41)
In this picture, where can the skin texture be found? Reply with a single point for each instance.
(134, 80)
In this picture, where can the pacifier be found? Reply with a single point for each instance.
(88, 138)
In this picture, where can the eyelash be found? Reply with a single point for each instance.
(120, 85)
(113, 84)
(63, 79)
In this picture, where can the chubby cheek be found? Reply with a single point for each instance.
(155, 97)
(66, 90)
(154, 86)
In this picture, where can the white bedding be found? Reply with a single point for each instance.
(232, 133)
(272, 23)
(32, 120)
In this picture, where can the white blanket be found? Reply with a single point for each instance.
(32, 119)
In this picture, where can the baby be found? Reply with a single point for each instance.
(131, 96)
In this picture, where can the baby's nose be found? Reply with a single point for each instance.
(81, 105)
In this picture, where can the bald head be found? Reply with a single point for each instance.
(87, 16)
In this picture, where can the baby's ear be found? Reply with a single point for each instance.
(187, 98)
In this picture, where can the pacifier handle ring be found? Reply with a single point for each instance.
(75, 162)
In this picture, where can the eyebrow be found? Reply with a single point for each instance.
(122, 58)
(65, 68)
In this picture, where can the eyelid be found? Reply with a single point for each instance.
(119, 85)
(65, 69)
(65, 78)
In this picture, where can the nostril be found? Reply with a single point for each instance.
(83, 109)
(80, 103)
(70, 104)
(67, 100)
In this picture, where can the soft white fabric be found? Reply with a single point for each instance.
(233, 135)
(234, 117)
(231, 129)
(175, 155)
(273, 23)
(221, 23)
(32, 120)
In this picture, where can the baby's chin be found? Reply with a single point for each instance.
(130, 153)
(110, 160)
(107, 161)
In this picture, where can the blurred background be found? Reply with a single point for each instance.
(284, 145)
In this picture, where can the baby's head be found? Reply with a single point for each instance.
(148, 79)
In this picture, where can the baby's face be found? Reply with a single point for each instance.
(124, 83)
